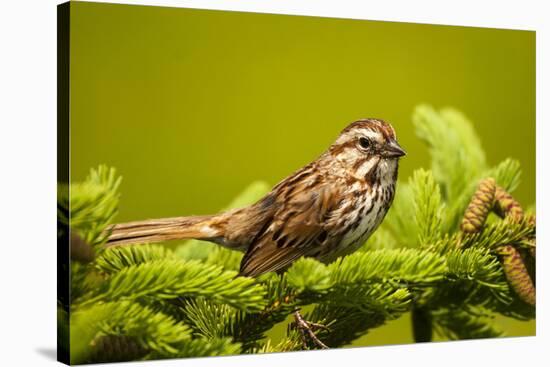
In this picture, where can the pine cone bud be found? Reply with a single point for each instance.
(517, 274)
(479, 206)
(506, 205)
(81, 250)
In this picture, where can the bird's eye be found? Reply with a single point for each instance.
(364, 143)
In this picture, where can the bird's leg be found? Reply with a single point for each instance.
(307, 328)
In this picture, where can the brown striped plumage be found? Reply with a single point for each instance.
(324, 210)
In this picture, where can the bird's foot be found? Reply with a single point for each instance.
(307, 330)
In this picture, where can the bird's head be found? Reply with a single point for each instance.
(366, 144)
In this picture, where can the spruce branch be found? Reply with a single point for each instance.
(208, 319)
(84, 280)
(309, 276)
(507, 174)
(509, 230)
(406, 266)
(115, 259)
(427, 206)
(457, 155)
(458, 324)
(195, 250)
(202, 347)
(92, 204)
(150, 330)
(371, 281)
(344, 325)
(170, 279)
(398, 220)
(228, 259)
(213, 320)
(143, 302)
(477, 265)
(115, 348)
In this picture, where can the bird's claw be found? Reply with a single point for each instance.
(307, 329)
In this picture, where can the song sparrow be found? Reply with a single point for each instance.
(324, 210)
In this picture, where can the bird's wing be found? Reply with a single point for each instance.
(298, 228)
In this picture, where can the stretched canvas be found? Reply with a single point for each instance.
(238, 183)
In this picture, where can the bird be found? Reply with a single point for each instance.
(324, 210)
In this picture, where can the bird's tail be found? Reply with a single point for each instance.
(159, 230)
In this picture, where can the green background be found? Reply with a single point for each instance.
(192, 105)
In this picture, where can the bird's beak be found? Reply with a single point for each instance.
(393, 150)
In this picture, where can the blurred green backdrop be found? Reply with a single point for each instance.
(192, 105)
